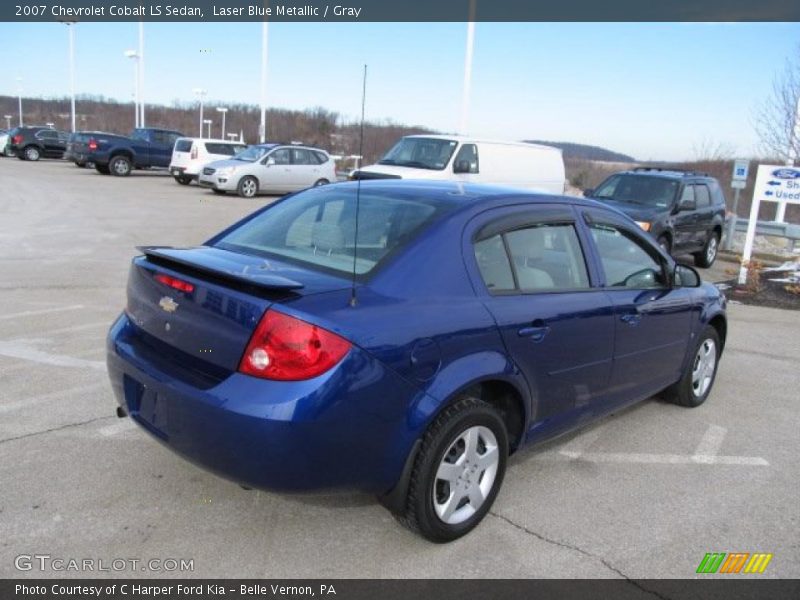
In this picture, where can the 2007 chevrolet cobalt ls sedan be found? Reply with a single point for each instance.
(405, 339)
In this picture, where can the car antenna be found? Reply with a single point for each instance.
(353, 300)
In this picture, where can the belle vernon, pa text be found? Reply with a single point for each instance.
(173, 10)
(168, 591)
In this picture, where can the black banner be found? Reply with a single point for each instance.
(411, 589)
(400, 10)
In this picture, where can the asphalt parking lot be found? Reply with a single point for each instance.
(644, 493)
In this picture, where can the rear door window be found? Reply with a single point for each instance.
(223, 149)
(702, 197)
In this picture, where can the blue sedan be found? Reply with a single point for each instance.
(405, 338)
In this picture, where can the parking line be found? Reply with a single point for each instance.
(75, 328)
(44, 311)
(709, 445)
(20, 349)
(121, 427)
(11, 406)
(665, 459)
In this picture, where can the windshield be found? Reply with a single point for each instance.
(422, 153)
(644, 190)
(252, 154)
(316, 228)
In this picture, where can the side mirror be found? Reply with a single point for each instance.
(686, 277)
(461, 166)
(686, 204)
(587, 193)
(269, 162)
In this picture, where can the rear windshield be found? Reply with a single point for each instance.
(316, 228)
(183, 146)
(223, 149)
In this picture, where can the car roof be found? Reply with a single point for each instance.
(469, 195)
(472, 140)
(665, 172)
(217, 140)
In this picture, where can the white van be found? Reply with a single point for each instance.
(190, 155)
(530, 166)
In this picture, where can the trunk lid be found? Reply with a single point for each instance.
(212, 323)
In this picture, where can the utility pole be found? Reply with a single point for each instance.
(468, 68)
(263, 126)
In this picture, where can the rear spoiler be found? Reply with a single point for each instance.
(169, 256)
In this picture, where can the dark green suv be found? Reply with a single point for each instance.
(683, 210)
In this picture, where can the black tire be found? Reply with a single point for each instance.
(687, 392)
(31, 153)
(183, 179)
(102, 169)
(80, 164)
(665, 243)
(248, 187)
(120, 166)
(438, 443)
(706, 257)
(319, 182)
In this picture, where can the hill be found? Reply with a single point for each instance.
(585, 152)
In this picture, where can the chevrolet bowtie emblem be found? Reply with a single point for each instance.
(168, 304)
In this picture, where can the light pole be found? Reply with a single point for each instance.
(200, 93)
(19, 98)
(8, 120)
(222, 110)
(468, 68)
(71, 27)
(263, 127)
(132, 54)
(232, 136)
(208, 122)
(141, 73)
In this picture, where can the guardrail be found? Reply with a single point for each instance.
(790, 231)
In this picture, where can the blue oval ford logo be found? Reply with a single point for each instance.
(786, 173)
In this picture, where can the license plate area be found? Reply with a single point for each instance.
(146, 406)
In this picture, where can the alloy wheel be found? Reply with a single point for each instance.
(705, 363)
(466, 475)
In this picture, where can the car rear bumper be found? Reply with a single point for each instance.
(347, 428)
(176, 171)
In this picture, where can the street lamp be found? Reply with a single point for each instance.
(50, 125)
(263, 126)
(140, 77)
(207, 122)
(71, 26)
(132, 54)
(19, 98)
(200, 93)
(232, 136)
(8, 120)
(222, 110)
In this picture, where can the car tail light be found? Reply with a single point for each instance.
(17, 139)
(289, 349)
(178, 284)
(92, 144)
(194, 152)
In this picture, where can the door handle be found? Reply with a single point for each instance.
(537, 331)
(631, 319)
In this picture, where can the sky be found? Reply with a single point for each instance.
(653, 91)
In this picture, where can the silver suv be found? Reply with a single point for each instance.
(269, 168)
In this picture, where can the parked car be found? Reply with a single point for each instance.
(4, 144)
(119, 155)
(530, 166)
(683, 210)
(468, 321)
(78, 147)
(190, 155)
(33, 143)
(270, 168)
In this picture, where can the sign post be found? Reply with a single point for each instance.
(774, 183)
(738, 183)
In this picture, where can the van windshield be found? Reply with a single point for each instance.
(420, 153)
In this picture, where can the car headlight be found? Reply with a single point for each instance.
(644, 225)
